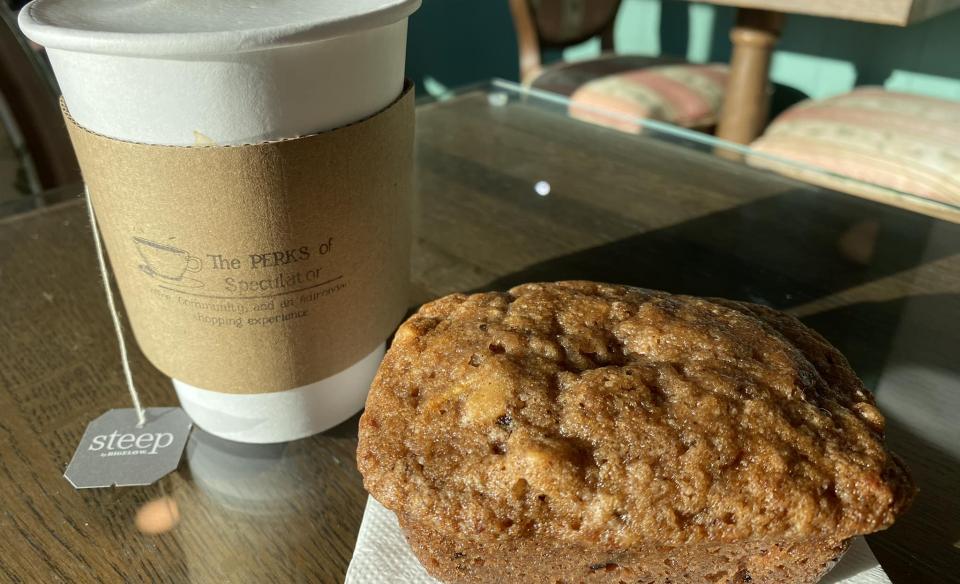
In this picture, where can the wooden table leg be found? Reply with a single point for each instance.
(747, 100)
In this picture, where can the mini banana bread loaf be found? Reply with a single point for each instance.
(582, 432)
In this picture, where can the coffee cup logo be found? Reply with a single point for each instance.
(161, 260)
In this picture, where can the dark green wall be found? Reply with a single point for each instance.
(457, 42)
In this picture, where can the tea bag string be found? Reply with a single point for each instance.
(114, 314)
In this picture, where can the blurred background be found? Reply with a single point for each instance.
(455, 42)
(866, 95)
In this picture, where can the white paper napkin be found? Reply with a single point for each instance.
(382, 556)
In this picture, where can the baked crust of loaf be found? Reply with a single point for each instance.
(606, 421)
(460, 561)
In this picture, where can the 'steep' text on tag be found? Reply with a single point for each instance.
(115, 452)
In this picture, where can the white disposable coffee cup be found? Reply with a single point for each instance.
(181, 72)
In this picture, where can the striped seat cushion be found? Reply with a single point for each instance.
(686, 95)
(615, 90)
(908, 143)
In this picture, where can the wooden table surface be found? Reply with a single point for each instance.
(880, 282)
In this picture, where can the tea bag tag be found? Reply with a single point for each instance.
(114, 451)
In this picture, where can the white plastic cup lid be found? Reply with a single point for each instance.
(168, 28)
(229, 71)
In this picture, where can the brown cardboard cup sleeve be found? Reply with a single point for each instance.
(261, 267)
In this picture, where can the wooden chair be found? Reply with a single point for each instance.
(868, 142)
(33, 109)
(611, 90)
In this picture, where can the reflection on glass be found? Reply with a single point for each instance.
(859, 242)
(258, 479)
(497, 98)
(157, 516)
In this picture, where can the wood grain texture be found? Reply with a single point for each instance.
(893, 12)
(881, 283)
